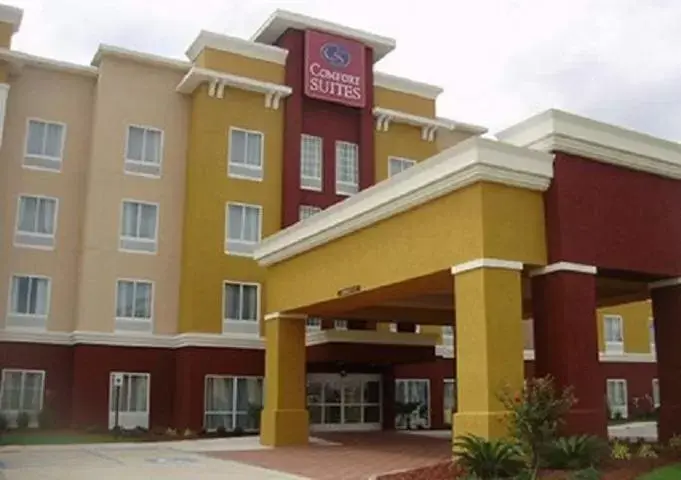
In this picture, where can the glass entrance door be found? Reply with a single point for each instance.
(351, 402)
(412, 401)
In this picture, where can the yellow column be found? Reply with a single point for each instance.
(284, 419)
(489, 343)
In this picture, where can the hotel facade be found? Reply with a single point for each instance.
(134, 195)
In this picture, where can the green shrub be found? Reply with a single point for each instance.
(23, 420)
(574, 453)
(620, 451)
(646, 451)
(488, 459)
(675, 442)
(590, 473)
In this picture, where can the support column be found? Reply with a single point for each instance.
(566, 341)
(666, 296)
(285, 419)
(489, 343)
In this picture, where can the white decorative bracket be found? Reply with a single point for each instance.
(382, 123)
(4, 92)
(273, 100)
(428, 132)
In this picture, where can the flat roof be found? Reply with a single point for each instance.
(282, 20)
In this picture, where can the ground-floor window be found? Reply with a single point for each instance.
(22, 391)
(449, 400)
(656, 392)
(412, 403)
(337, 402)
(232, 402)
(129, 393)
(617, 398)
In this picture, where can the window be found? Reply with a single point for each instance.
(347, 175)
(44, 145)
(393, 327)
(310, 162)
(245, 154)
(614, 339)
(241, 308)
(29, 301)
(232, 402)
(651, 332)
(132, 397)
(656, 392)
(36, 221)
(415, 392)
(397, 165)
(134, 305)
(139, 224)
(448, 334)
(243, 228)
(306, 211)
(335, 402)
(617, 398)
(340, 324)
(22, 391)
(313, 324)
(144, 151)
(449, 400)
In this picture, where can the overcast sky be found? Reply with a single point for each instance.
(499, 61)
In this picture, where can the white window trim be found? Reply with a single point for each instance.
(313, 324)
(656, 401)
(234, 411)
(321, 164)
(149, 320)
(147, 375)
(35, 234)
(401, 159)
(446, 412)
(123, 237)
(43, 376)
(142, 163)
(44, 157)
(48, 302)
(354, 186)
(228, 240)
(260, 170)
(224, 301)
(625, 408)
(613, 347)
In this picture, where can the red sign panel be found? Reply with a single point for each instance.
(334, 69)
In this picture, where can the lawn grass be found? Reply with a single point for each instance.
(670, 472)
(57, 438)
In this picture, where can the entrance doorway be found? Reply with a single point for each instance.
(344, 403)
(133, 400)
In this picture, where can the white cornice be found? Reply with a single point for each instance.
(564, 267)
(238, 46)
(468, 162)
(405, 85)
(428, 126)
(667, 282)
(37, 336)
(279, 315)
(282, 20)
(18, 60)
(217, 81)
(555, 130)
(375, 337)
(447, 351)
(140, 57)
(11, 15)
(486, 263)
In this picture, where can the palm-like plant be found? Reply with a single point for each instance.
(488, 459)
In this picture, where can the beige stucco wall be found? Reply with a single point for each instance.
(52, 96)
(133, 93)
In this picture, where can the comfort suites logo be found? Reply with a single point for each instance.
(334, 69)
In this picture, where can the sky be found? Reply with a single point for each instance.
(499, 61)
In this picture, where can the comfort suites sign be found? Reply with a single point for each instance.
(334, 69)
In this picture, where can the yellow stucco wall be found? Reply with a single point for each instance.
(399, 141)
(636, 320)
(204, 264)
(404, 102)
(239, 65)
(510, 219)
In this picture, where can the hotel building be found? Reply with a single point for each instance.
(134, 192)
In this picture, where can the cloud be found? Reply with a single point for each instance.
(498, 60)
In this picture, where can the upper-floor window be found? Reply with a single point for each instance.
(313, 324)
(340, 324)
(144, 151)
(651, 333)
(241, 307)
(134, 305)
(22, 391)
(245, 154)
(29, 301)
(243, 225)
(397, 165)
(36, 221)
(139, 226)
(614, 333)
(310, 162)
(306, 211)
(44, 145)
(347, 168)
